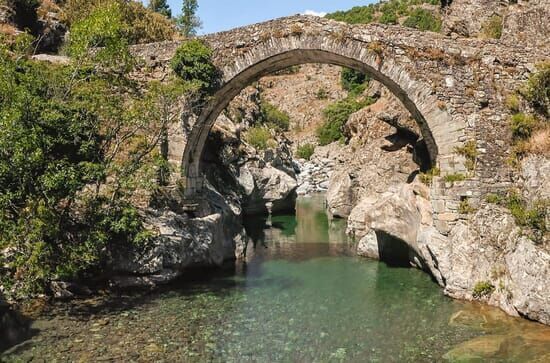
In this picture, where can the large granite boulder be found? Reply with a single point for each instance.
(340, 194)
(182, 242)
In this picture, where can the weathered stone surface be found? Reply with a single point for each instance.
(368, 245)
(182, 242)
(340, 194)
(535, 175)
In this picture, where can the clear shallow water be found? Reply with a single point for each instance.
(302, 297)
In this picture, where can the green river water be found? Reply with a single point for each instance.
(302, 297)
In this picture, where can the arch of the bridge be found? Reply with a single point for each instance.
(278, 54)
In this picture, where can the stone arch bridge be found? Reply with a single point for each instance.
(453, 87)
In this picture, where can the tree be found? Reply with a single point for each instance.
(189, 22)
(161, 7)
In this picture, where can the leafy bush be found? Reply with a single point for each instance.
(494, 198)
(388, 17)
(423, 19)
(534, 217)
(259, 137)
(522, 125)
(102, 28)
(386, 12)
(193, 63)
(140, 25)
(273, 117)
(305, 151)
(76, 146)
(483, 288)
(537, 89)
(492, 27)
(336, 116)
(353, 81)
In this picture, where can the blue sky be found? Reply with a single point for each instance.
(218, 15)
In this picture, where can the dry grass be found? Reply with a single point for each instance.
(539, 142)
(8, 30)
(48, 6)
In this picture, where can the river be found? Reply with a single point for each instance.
(302, 297)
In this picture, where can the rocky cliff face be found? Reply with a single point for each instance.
(523, 21)
(373, 181)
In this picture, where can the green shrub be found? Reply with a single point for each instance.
(141, 25)
(193, 63)
(388, 17)
(321, 94)
(494, 198)
(305, 151)
(492, 27)
(423, 19)
(534, 217)
(522, 126)
(353, 81)
(356, 15)
(513, 103)
(453, 178)
(273, 117)
(469, 151)
(390, 10)
(259, 137)
(335, 117)
(482, 289)
(537, 89)
(427, 177)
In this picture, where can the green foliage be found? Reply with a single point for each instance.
(188, 22)
(469, 151)
(522, 126)
(389, 13)
(482, 289)
(321, 94)
(534, 217)
(272, 117)
(427, 177)
(494, 198)
(193, 63)
(423, 19)
(139, 24)
(259, 137)
(465, 207)
(537, 89)
(388, 17)
(513, 103)
(102, 28)
(78, 142)
(492, 27)
(453, 178)
(161, 7)
(305, 151)
(355, 82)
(336, 116)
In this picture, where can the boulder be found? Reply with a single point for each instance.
(340, 194)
